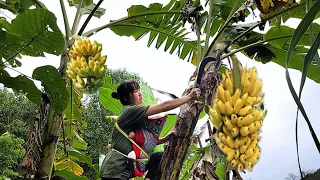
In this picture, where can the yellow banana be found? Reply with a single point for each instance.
(243, 74)
(84, 42)
(230, 155)
(237, 143)
(71, 74)
(102, 60)
(78, 43)
(258, 100)
(91, 63)
(89, 50)
(228, 123)
(230, 142)
(244, 111)
(240, 167)
(254, 136)
(96, 68)
(84, 65)
(243, 140)
(226, 131)
(223, 80)
(236, 153)
(224, 148)
(80, 80)
(249, 152)
(101, 71)
(235, 97)
(215, 117)
(97, 56)
(253, 160)
(258, 124)
(235, 131)
(80, 86)
(248, 166)
(253, 78)
(83, 72)
(221, 107)
(240, 121)
(243, 158)
(72, 54)
(220, 93)
(255, 113)
(253, 144)
(243, 148)
(257, 88)
(237, 106)
(260, 115)
(99, 48)
(244, 99)
(257, 151)
(78, 51)
(94, 49)
(227, 96)
(248, 119)
(228, 107)
(234, 162)
(229, 86)
(234, 118)
(84, 50)
(244, 130)
(246, 86)
(252, 127)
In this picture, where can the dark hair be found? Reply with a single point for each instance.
(124, 90)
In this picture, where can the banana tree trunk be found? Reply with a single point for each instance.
(175, 153)
(42, 143)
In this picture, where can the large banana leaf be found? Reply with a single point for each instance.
(31, 33)
(278, 39)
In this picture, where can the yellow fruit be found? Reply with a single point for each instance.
(226, 131)
(91, 63)
(99, 48)
(248, 119)
(254, 136)
(243, 148)
(228, 124)
(221, 107)
(235, 97)
(94, 48)
(253, 160)
(256, 89)
(102, 60)
(72, 54)
(215, 117)
(255, 113)
(258, 125)
(248, 166)
(244, 99)
(246, 86)
(229, 86)
(80, 80)
(228, 108)
(240, 121)
(234, 118)
(230, 142)
(252, 127)
(220, 93)
(243, 158)
(240, 167)
(71, 74)
(80, 86)
(234, 162)
(258, 100)
(230, 155)
(78, 51)
(243, 140)
(236, 143)
(249, 152)
(224, 148)
(259, 117)
(244, 111)
(236, 153)
(228, 97)
(235, 131)
(89, 49)
(84, 50)
(253, 144)
(237, 106)
(244, 130)
(243, 74)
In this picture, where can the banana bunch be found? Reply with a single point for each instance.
(86, 66)
(238, 118)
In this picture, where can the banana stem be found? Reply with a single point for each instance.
(198, 42)
(208, 25)
(77, 18)
(236, 73)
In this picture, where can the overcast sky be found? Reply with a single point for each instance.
(167, 72)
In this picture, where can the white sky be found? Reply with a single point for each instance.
(169, 73)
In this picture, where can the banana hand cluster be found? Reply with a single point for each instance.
(86, 66)
(238, 119)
